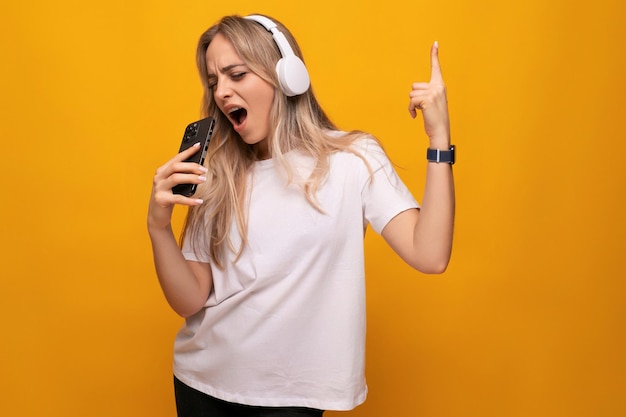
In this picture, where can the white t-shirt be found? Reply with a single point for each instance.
(285, 324)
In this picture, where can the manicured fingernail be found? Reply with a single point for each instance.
(196, 144)
(202, 178)
(203, 169)
(199, 201)
(436, 44)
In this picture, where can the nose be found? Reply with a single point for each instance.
(223, 89)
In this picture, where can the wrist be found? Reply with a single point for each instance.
(442, 143)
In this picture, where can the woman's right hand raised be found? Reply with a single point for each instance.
(174, 172)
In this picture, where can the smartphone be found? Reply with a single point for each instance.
(199, 131)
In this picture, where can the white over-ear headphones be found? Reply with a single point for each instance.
(292, 74)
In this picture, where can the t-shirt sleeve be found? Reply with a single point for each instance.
(384, 195)
(201, 247)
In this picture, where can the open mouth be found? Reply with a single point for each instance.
(238, 115)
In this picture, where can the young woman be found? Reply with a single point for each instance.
(270, 277)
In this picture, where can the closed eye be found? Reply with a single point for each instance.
(234, 75)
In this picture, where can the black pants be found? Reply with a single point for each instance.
(193, 403)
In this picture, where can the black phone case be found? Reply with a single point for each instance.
(199, 131)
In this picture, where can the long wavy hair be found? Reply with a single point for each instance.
(297, 122)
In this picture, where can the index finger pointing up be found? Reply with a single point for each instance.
(435, 68)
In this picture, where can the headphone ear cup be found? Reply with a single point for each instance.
(293, 76)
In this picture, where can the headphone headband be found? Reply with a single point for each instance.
(292, 74)
(264, 21)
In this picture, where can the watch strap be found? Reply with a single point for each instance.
(437, 155)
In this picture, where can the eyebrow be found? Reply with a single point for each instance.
(227, 68)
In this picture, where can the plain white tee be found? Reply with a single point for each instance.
(285, 324)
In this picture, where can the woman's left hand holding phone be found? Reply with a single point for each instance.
(174, 172)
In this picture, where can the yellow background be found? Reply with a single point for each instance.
(529, 320)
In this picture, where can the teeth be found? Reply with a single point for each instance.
(234, 109)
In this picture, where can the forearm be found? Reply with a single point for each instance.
(185, 292)
(435, 224)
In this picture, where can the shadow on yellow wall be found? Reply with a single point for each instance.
(529, 318)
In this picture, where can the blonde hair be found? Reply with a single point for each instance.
(296, 122)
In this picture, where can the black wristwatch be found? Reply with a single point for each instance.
(437, 155)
